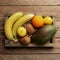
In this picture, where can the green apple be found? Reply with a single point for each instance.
(21, 31)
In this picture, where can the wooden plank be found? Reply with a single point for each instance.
(29, 2)
(42, 10)
(57, 43)
(30, 57)
(58, 34)
(29, 50)
(57, 17)
(57, 23)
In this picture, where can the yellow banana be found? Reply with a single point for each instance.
(20, 22)
(9, 23)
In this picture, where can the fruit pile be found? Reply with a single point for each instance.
(29, 28)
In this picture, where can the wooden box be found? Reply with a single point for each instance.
(11, 44)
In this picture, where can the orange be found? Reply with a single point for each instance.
(37, 21)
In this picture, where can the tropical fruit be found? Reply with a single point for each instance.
(44, 34)
(9, 24)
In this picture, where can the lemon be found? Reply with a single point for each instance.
(48, 20)
(21, 31)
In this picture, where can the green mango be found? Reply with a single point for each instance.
(44, 34)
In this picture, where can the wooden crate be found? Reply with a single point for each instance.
(11, 44)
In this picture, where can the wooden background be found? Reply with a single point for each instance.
(42, 7)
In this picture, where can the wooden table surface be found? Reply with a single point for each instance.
(42, 7)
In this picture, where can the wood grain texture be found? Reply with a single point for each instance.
(31, 57)
(29, 2)
(42, 10)
(42, 7)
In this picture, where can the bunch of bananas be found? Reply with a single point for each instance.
(13, 22)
